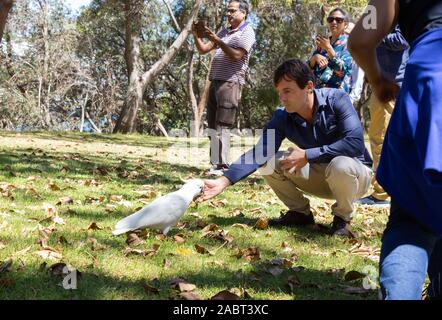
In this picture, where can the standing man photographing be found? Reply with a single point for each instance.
(233, 47)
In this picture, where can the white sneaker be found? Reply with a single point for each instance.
(216, 170)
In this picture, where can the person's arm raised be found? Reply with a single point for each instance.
(232, 53)
(363, 42)
(202, 47)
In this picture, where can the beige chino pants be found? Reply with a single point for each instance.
(380, 114)
(343, 179)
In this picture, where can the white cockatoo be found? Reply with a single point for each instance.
(164, 212)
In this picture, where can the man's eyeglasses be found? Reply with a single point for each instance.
(337, 19)
(231, 11)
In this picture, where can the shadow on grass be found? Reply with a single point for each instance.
(22, 163)
(310, 284)
(136, 140)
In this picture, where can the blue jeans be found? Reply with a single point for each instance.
(409, 251)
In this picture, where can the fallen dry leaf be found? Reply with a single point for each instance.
(274, 270)
(7, 282)
(225, 295)
(129, 251)
(94, 226)
(153, 250)
(142, 234)
(235, 212)
(160, 237)
(43, 242)
(53, 187)
(56, 269)
(256, 210)
(133, 240)
(201, 223)
(5, 266)
(210, 228)
(62, 240)
(88, 183)
(355, 290)
(166, 264)
(224, 236)
(354, 275)
(58, 220)
(22, 252)
(186, 287)
(190, 296)
(46, 231)
(150, 289)
(110, 208)
(262, 224)
(201, 249)
(50, 210)
(95, 246)
(183, 251)
(240, 226)
(115, 198)
(179, 238)
(195, 215)
(219, 203)
(182, 285)
(282, 262)
(250, 254)
(3, 225)
(50, 253)
(65, 201)
(293, 282)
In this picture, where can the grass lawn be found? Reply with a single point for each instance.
(61, 194)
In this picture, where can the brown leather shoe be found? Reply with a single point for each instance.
(341, 228)
(293, 218)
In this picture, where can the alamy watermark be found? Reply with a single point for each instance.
(255, 146)
(370, 282)
(370, 18)
(70, 278)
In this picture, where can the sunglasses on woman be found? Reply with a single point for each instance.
(337, 19)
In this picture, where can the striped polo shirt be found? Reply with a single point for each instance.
(226, 69)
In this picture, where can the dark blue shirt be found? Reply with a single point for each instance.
(410, 169)
(392, 55)
(336, 131)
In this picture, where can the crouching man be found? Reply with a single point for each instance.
(328, 158)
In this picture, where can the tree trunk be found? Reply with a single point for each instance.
(205, 93)
(139, 81)
(44, 101)
(191, 95)
(198, 107)
(5, 7)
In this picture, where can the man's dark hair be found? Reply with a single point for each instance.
(243, 5)
(296, 70)
(344, 13)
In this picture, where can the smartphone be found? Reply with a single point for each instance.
(322, 31)
(200, 28)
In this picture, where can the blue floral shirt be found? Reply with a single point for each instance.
(337, 74)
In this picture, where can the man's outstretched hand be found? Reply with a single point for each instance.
(212, 188)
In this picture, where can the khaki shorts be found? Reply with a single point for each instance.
(222, 106)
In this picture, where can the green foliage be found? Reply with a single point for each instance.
(97, 67)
